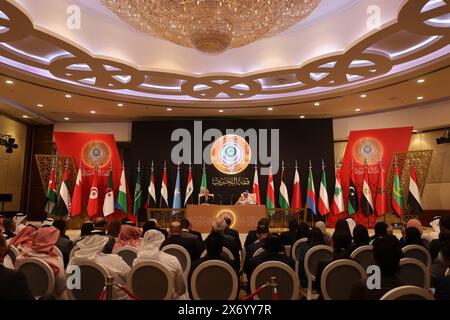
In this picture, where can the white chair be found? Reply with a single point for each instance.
(150, 280)
(408, 293)
(447, 272)
(13, 253)
(39, 275)
(92, 281)
(128, 254)
(418, 252)
(287, 250)
(287, 281)
(415, 273)
(363, 255)
(58, 252)
(225, 252)
(258, 252)
(312, 258)
(339, 277)
(295, 250)
(214, 280)
(181, 254)
(72, 252)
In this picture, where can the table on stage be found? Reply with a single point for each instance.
(244, 218)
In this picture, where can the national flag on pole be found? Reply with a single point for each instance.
(338, 198)
(255, 190)
(414, 200)
(77, 201)
(270, 195)
(381, 201)
(397, 197)
(283, 197)
(164, 200)
(122, 202)
(176, 202)
(311, 192)
(203, 184)
(92, 207)
(51, 193)
(366, 198)
(296, 202)
(189, 188)
(352, 201)
(108, 203)
(151, 198)
(63, 205)
(324, 205)
(137, 203)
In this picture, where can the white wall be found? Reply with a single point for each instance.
(121, 130)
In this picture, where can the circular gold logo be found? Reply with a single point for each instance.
(227, 214)
(368, 149)
(96, 154)
(230, 154)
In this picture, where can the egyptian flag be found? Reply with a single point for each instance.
(414, 201)
(338, 199)
(296, 191)
(164, 200)
(189, 188)
(397, 197)
(63, 205)
(92, 207)
(255, 190)
(311, 192)
(283, 197)
(270, 195)
(352, 201)
(366, 198)
(108, 203)
(323, 205)
(52, 196)
(77, 201)
(381, 202)
(151, 199)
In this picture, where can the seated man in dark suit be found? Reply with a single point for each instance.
(231, 232)
(251, 235)
(13, 284)
(206, 198)
(289, 237)
(190, 244)
(262, 233)
(64, 244)
(152, 224)
(219, 226)
(187, 227)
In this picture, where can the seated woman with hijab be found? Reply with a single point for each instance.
(129, 236)
(360, 237)
(315, 238)
(326, 236)
(42, 246)
(150, 251)
(412, 234)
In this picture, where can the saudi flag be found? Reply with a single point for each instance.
(51, 193)
(397, 198)
(63, 205)
(203, 184)
(137, 204)
(283, 198)
(108, 203)
(122, 195)
(323, 205)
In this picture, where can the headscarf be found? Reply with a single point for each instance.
(19, 218)
(153, 240)
(24, 238)
(414, 223)
(129, 236)
(89, 247)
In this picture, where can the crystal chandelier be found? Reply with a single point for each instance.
(212, 26)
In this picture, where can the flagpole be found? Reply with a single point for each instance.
(298, 213)
(323, 170)
(382, 174)
(312, 213)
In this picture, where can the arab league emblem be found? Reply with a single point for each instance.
(368, 149)
(96, 154)
(230, 154)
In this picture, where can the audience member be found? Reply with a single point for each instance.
(262, 233)
(251, 235)
(302, 230)
(100, 227)
(437, 244)
(129, 236)
(24, 238)
(152, 224)
(326, 236)
(360, 237)
(381, 230)
(289, 237)
(219, 226)
(342, 225)
(21, 221)
(231, 232)
(9, 227)
(442, 287)
(114, 228)
(315, 238)
(192, 245)
(187, 228)
(412, 236)
(64, 244)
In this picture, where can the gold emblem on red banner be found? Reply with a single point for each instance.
(230, 154)
(96, 154)
(368, 149)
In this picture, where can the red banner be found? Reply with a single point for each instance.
(371, 146)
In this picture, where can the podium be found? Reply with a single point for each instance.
(243, 218)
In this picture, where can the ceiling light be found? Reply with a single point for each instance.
(415, 131)
(40, 105)
(68, 96)
(270, 108)
(120, 104)
(9, 81)
(25, 116)
(316, 104)
(220, 110)
(169, 109)
(302, 117)
(357, 109)
(421, 81)
(419, 98)
(66, 118)
(93, 111)
(364, 95)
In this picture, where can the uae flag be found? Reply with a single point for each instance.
(366, 198)
(324, 205)
(255, 190)
(381, 202)
(77, 200)
(296, 191)
(270, 195)
(63, 205)
(203, 183)
(51, 193)
(338, 198)
(122, 195)
(108, 203)
(137, 203)
(151, 199)
(189, 188)
(352, 201)
(414, 201)
(92, 207)
(311, 192)
(397, 197)
(164, 200)
(283, 197)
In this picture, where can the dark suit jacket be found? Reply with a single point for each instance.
(65, 245)
(251, 249)
(251, 238)
(435, 248)
(190, 244)
(198, 234)
(230, 243)
(288, 238)
(235, 235)
(13, 285)
(210, 200)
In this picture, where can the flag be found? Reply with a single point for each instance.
(63, 205)
(338, 199)
(122, 195)
(283, 197)
(414, 201)
(164, 200)
(92, 207)
(51, 193)
(151, 199)
(77, 201)
(311, 192)
(189, 188)
(176, 202)
(270, 195)
(397, 198)
(296, 202)
(352, 201)
(381, 201)
(324, 205)
(137, 203)
(255, 190)
(203, 184)
(366, 198)
(108, 203)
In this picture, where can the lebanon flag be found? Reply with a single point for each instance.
(338, 199)
(296, 192)
(397, 197)
(366, 198)
(151, 200)
(311, 192)
(108, 203)
(77, 200)
(164, 200)
(122, 200)
(324, 205)
(381, 202)
(92, 207)
(63, 205)
(283, 198)
(189, 188)
(51, 193)
(270, 195)
(414, 201)
(255, 190)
